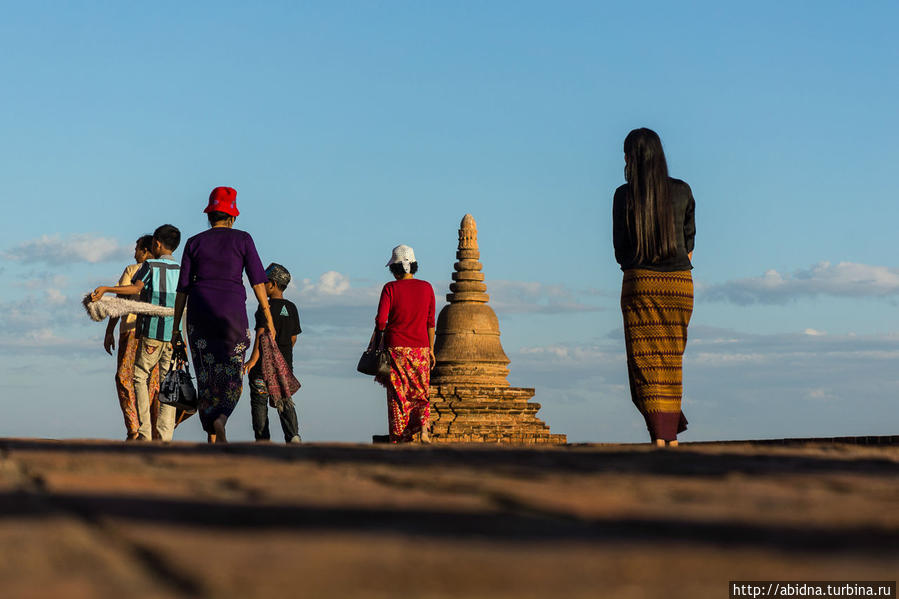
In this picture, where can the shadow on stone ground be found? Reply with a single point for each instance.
(532, 524)
(98, 519)
(701, 461)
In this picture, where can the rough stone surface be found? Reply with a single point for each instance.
(471, 399)
(98, 519)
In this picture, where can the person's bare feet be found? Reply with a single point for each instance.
(425, 435)
(210, 437)
(660, 442)
(219, 426)
(672, 443)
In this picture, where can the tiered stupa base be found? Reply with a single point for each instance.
(462, 414)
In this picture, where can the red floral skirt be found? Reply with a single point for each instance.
(408, 406)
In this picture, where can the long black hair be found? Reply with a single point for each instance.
(650, 215)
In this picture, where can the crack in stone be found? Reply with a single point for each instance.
(450, 425)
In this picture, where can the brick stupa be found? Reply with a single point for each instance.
(471, 399)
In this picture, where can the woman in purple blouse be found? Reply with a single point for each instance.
(211, 285)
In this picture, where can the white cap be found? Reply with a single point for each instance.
(404, 255)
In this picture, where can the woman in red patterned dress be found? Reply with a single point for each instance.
(405, 320)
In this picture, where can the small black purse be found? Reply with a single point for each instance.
(177, 389)
(375, 360)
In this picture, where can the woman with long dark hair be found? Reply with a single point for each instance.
(653, 232)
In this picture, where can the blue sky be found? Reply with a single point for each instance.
(348, 128)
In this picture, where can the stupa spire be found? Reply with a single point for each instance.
(468, 285)
(468, 345)
(470, 394)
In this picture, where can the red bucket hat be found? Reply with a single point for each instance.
(223, 199)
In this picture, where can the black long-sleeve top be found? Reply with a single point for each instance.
(684, 225)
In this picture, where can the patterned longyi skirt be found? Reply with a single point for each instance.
(657, 307)
(218, 364)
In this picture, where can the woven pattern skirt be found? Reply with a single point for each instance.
(657, 307)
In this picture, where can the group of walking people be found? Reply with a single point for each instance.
(209, 282)
(653, 238)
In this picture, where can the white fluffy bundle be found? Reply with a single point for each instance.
(117, 307)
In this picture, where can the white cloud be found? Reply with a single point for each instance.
(48, 338)
(845, 279)
(525, 297)
(39, 280)
(334, 289)
(329, 283)
(56, 250)
(45, 341)
(334, 300)
(706, 358)
(17, 317)
(49, 320)
(708, 345)
(55, 297)
(572, 353)
(820, 394)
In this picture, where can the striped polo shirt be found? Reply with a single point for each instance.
(160, 277)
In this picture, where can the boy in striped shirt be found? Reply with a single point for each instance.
(156, 281)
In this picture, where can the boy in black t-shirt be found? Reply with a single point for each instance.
(287, 327)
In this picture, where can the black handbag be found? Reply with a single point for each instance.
(375, 360)
(177, 389)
